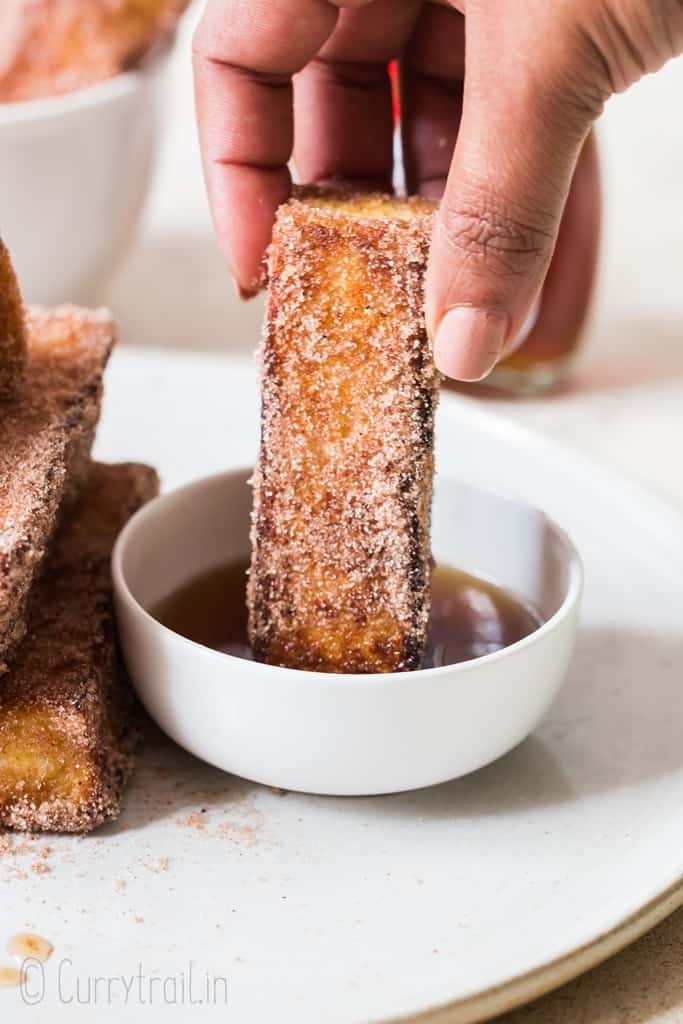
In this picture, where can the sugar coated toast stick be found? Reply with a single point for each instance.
(46, 432)
(66, 731)
(340, 571)
(55, 46)
(12, 329)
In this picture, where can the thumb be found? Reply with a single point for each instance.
(499, 218)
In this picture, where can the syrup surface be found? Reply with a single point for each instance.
(470, 617)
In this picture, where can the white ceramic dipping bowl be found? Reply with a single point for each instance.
(74, 173)
(345, 734)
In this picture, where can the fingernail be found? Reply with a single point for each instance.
(469, 342)
(244, 293)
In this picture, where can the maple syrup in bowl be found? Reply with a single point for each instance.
(502, 631)
(470, 617)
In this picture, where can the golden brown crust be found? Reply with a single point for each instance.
(66, 731)
(46, 433)
(340, 569)
(12, 330)
(48, 47)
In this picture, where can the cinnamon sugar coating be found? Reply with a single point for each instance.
(48, 47)
(46, 432)
(340, 569)
(12, 330)
(67, 733)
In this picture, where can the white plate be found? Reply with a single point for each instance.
(473, 895)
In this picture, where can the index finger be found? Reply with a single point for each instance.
(244, 55)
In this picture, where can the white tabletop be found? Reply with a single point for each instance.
(625, 407)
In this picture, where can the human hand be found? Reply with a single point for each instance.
(500, 130)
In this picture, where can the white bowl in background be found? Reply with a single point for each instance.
(345, 734)
(74, 174)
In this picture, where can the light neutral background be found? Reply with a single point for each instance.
(625, 408)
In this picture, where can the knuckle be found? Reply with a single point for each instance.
(615, 45)
(490, 238)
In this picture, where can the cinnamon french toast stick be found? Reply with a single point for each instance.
(56, 46)
(46, 431)
(340, 570)
(66, 730)
(12, 329)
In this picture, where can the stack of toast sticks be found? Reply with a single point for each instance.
(341, 561)
(66, 726)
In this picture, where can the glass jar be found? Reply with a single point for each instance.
(543, 361)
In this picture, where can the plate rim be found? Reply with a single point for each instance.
(524, 988)
(669, 513)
